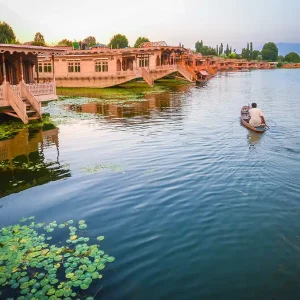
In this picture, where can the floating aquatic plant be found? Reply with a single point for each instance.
(37, 270)
(102, 167)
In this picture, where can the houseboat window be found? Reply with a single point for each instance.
(40, 68)
(144, 62)
(105, 66)
(77, 67)
(74, 67)
(98, 67)
(47, 67)
(101, 66)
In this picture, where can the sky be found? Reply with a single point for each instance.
(235, 22)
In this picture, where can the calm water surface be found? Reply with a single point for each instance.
(192, 204)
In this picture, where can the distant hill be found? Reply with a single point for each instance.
(285, 48)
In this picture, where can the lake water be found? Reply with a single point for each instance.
(192, 205)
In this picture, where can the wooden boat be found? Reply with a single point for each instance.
(245, 118)
(202, 77)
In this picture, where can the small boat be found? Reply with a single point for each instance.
(245, 118)
(202, 77)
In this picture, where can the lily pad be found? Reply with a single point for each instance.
(84, 286)
(100, 238)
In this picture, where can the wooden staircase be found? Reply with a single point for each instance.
(185, 73)
(23, 105)
(147, 77)
(191, 71)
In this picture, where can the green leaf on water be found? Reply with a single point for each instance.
(84, 286)
(69, 275)
(100, 238)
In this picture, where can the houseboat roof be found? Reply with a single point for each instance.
(11, 48)
(108, 51)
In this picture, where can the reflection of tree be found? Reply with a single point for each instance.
(23, 164)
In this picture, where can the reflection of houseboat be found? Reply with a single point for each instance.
(23, 164)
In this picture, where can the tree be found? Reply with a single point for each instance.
(90, 41)
(140, 41)
(232, 55)
(292, 57)
(227, 51)
(118, 41)
(269, 52)
(7, 35)
(255, 54)
(221, 49)
(281, 58)
(39, 40)
(204, 50)
(251, 51)
(65, 42)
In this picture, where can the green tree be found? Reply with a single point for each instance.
(255, 54)
(90, 41)
(140, 41)
(227, 51)
(39, 40)
(65, 42)
(221, 49)
(232, 55)
(118, 41)
(7, 35)
(251, 51)
(204, 50)
(292, 57)
(269, 52)
(280, 64)
(281, 58)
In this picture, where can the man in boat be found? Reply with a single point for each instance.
(256, 116)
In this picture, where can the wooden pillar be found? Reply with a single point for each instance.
(21, 64)
(3, 67)
(37, 71)
(53, 68)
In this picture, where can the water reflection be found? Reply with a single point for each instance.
(129, 109)
(23, 163)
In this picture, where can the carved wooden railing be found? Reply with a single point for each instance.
(165, 67)
(147, 77)
(41, 88)
(35, 103)
(184, 72)
(16, 89)
(16, 103)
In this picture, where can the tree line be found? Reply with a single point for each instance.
(7, 36)
(269, 51)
